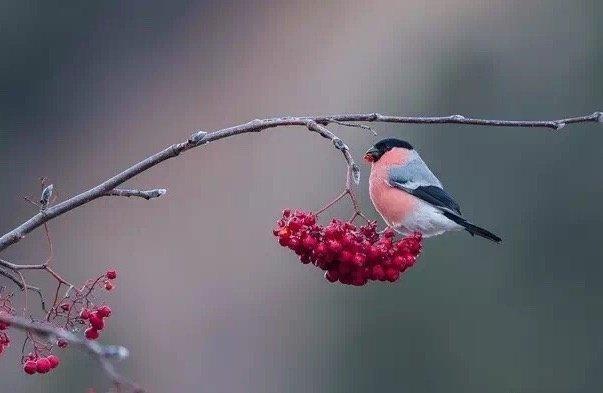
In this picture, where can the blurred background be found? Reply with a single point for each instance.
(206, 300)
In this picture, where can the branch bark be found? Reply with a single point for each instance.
(315, 124)
(148, 194)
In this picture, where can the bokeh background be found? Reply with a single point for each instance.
(206, 301)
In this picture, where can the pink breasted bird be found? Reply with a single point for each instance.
(409, 197)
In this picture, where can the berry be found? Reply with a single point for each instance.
(108, 286)
(111, 274)
(30, 367)
(331, 275)
(62, 343)
(42, 365)
(96, 321)
(91, 333)
(54, 361)
(85, 313)
(103, 311)
(391, 274)
(65, 307)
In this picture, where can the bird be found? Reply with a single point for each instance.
(409, 197)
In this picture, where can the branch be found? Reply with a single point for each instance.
(149, 194)
(103, 354)
(315, 124)
(24, 286)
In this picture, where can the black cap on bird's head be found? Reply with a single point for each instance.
(383, 146)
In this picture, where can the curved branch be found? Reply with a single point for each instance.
(103, 354)
(315, 124)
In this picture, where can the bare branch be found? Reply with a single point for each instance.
(356, 125)
(148, 194)
(23, 286)
(316, 124)
(103, 354)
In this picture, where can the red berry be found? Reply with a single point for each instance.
(331, 275)
(331, 232)
(96, 321)
(310, 243)
(42, 365)
(344, 269)
(399, 262)
(305, 259)
(374, 253)
(65, 307)
(85, 313)
(4, 325)
(111, 274)
(295, 224)
(392, 274)
(378, 273)
(359, 260)
(358, 278)
(54, 361)
(310, 220)
(388, 233)
(30, 367)
(108, 286)
(284, 241)
(294, 244)
(91, 333)
(346, 256)
(62, 343)
(335, 246)
(321, 249)
(103, 311)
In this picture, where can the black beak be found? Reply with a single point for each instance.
(372, 154)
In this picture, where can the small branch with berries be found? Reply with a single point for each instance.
(105, 355)
(77, 309)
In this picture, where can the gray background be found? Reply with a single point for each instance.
(206, 300)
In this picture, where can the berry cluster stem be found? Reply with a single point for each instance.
(348, 191)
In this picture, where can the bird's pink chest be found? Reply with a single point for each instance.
(394, 205)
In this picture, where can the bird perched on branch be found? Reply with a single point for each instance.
(409, 197)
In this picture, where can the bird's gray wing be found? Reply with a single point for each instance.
(415, 178)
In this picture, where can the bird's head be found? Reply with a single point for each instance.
(384, 146)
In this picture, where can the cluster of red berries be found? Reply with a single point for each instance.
(96, 319)
(349, 254)
(40, 364)
(4, 339)
(110, 275)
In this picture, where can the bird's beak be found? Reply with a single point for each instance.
(371, 154)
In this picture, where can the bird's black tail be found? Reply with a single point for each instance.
(471, 228)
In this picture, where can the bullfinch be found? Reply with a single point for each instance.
(409, 197)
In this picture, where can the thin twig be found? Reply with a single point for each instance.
(356, 125)
(22, 285)
(316, 124)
